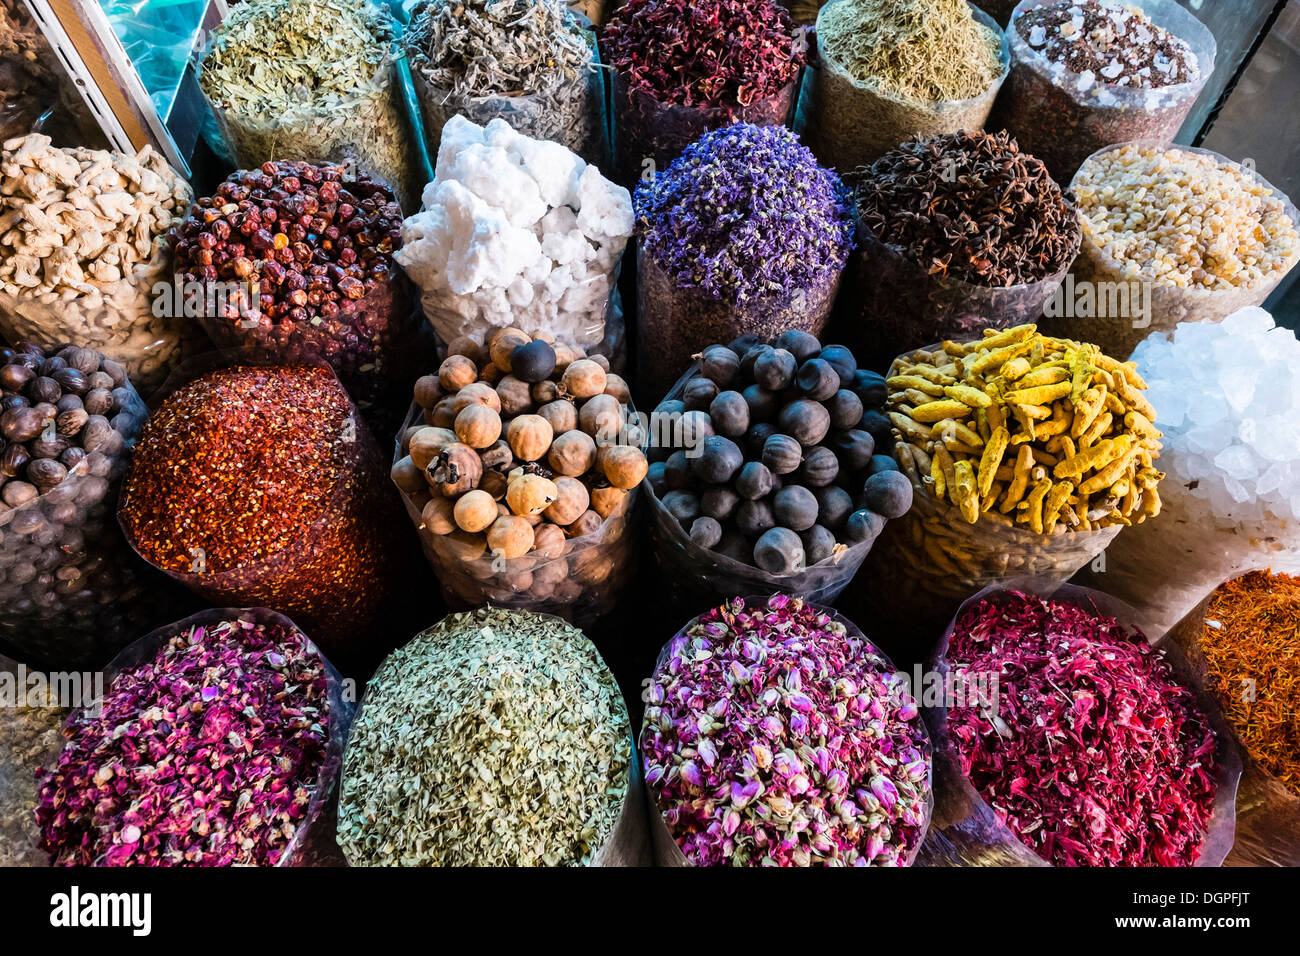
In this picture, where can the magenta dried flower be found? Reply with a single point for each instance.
(775, 735)
(206, 754)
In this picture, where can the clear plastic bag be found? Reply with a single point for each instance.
(341, 708)
(966, 831)
(342, 569)
(847, 124)
(130, 320)
(899, 305)
(1119, 331)
(31, 735)
(674, 322)
(572, 115)
(1042, 107)
(71, 591)
(649, 134)
(666, 850)
(369, 133)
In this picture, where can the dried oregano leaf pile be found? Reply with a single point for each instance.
(495, 738)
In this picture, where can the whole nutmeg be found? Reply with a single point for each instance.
(529, 437)
(21, 424)
(97, 401)
(530, 494)
(571, 500)
(510, 537)
(71, 380)
(623, 465)
(97, 434)
(477, 393)
(475, 511)
(72, 457)
(101, 380)
(70, 423)
(50, 447)
(13, 460)
(44, 389)
(478, 426)
(14, 376)
(69, 403)
(18, 493)
(583, 379)
(572, 454)
(85, 361)
(45, 473)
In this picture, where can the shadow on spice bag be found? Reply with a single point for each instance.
(223, 687)
(71, 591)
(426, 782)
(282, 500)
(771, 677)
(1066, 662)
(1088, 74)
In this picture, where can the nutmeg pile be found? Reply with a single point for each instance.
(522, 446)
(314, 245)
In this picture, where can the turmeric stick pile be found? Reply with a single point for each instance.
(1027, 430)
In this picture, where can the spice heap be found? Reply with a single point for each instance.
(970, 206)
(209, 753)
(1251, 642)
(707, 53)
(495, 738)
(515, 232)
(775, 735)
(82, 242)
(1107, 42)
(30, 734)
(919, 51)
(308, 80)
(69, 590)
(774, 467)
(261, 487)
(525, 450)
(28, 70)
(1186, 219)
(1021, 428)
(1096, 756)
(314, 244)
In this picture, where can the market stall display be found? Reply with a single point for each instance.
(549, 778)
(1027, 455)
(767, 477)
(515, 232)
(743, 234)
(83, 252)
(260, 486)
(309, 80)
(1171, 235)
(888, 70)
(531, 63)
(776, 734)
(682, 69)
(1089, 73)
(520, 466)
(957, 233)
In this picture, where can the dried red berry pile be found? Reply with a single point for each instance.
(1095, 755)
(206, 754)
(261, 487)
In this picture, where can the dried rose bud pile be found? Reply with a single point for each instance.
(1096, 755)
(776, 735)
(207, 754)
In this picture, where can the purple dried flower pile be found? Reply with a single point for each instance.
(775, 735)
(205, 755)
(1096, 755)
(746, 213)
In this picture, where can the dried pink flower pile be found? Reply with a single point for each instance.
(1096, 756)
(776, 736)
(205, 755)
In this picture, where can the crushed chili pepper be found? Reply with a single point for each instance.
(1095, 755)
(1251, 642)
(205, 754)
(260, 486)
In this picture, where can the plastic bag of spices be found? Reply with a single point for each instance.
(556, 93)
(283, 712)
(30, 737)
(1062, 115)
(71, 592)
(848, 123)
(702, 810)
(310, 80)
(967, 831)
(286, 504)
(1128, 282)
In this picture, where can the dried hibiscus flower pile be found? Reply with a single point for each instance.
(1095, 755)
(775, 735)
(207, 754)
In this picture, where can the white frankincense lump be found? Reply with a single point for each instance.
(515, 232)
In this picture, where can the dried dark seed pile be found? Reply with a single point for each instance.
(969, 205)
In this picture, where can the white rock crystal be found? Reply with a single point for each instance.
(515, 231)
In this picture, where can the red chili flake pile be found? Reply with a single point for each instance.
(261, 487)
(1095, 756)
(703, 53)
(206, 755)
